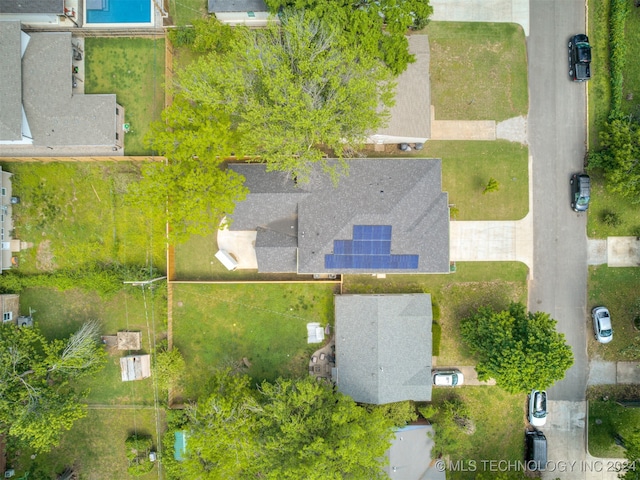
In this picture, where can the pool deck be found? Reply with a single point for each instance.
(156, 19)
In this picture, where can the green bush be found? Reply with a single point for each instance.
(138, 448)
(611, 219)
(105, 279)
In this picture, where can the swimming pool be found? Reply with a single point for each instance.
(118, 11)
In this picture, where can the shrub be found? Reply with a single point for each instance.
(611, 219)
(138, 448)
(436, 334)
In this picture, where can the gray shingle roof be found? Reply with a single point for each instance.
(55, 7)
(411, 114)
(406, 194)
(276, 251)
(10, 82)
(225, 6)
(383, 347)
(42, 85)
(56, 116)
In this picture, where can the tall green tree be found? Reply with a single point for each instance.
(376, 26)
(519, 349)
(619, 157)
(292, 92)
(289, 429)
(632, 454)
(37, 399)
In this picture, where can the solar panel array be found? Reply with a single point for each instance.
(370, 249)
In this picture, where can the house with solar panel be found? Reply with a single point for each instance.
(386, 216)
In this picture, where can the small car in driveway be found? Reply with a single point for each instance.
(535, 450)
(448, 378)
(538, 408)
(579, 58)
(580, 192)
(602, 324)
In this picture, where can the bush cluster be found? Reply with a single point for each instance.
(105, 279)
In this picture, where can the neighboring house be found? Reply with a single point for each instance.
(383, 347)
(240, 12)
(47, 12)
(10, 305)
(386, 216)
(41, 115)
(410, 120)
(410, 455)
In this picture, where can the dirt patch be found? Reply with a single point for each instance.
(44, 257)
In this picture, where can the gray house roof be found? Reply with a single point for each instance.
(410, 455)
(383, 347)
(55, 115)
(55, 7)
(10, 82)
(411, 114)
(403, 196)
(225, 6)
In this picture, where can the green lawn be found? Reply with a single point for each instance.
(133, 69)
(630, 87)
(603, 201)
(499, 435)
(58, 314)
(95, 446)
(466, 169)
(607, 418)
(75, 213)
(478, 70)
(219, 325)
(184, 12)
(599, 86)
(455, 295)
(617, 289)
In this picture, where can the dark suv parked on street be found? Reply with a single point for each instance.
(580, 192)
(579, 58)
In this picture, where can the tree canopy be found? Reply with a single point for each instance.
(376, 26)
(619, 157)
(289, 429)
(37, 400)
(519, 349)
(287, 94)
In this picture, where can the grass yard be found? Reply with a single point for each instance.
(456, 296)
(478, 70)
(466, 169)
(630, 88)
(617, 289)
(499, 435)
(95, 446)
(133, 69)
(602, 202)
(599, 86)
(612, 418)
(58, 314)
(184, 12)
(219, 325)
(75, 213)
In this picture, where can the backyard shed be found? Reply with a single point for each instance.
(135, 367)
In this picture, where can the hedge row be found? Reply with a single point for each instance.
(619, 10)
(105, 279)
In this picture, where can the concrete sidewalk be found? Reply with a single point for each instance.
(611, 373)
(502, 11)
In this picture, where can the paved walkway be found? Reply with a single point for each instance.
(610, 373)
(502, 11)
